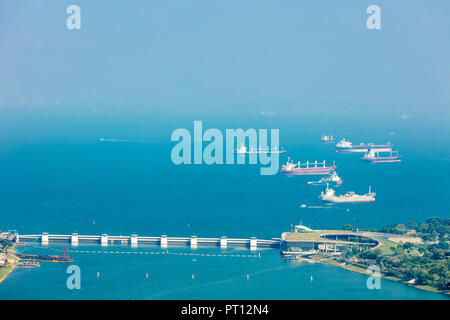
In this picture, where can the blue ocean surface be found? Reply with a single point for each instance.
(130, 185)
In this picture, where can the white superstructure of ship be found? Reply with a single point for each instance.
(347, 146)
(243, 150)
(333, 179)
(328, 195)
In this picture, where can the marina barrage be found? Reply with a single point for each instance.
(213, 152)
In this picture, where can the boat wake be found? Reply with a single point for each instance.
(329, 206)
(315, 207)
(113, 140)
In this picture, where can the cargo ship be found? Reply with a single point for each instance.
(373, 156)
(243, 150)
(347, 146)
(308, 168)
(333, 180)
(328, 195)
(44, 258)
(327, 139)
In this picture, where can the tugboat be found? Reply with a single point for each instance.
(328, 195)
(308, 168)
(373, 156)
(333, 180)
(347, 146)
(243, 150)
(327, 139)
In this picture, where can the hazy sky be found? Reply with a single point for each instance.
(211, 53)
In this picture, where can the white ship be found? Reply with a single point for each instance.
(347, 146)
(327, 139)
(373, 156)
(328, 195)
(308, 168)
(243, 150)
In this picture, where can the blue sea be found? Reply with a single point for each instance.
(57, 176)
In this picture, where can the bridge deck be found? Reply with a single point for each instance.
(134, 239)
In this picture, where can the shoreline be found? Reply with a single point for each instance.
(357, 269)
(8, 273)
(9, 265)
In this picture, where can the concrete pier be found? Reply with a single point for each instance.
(163, 241)
(44, 238)
(74, 239)
(223, 242)
(193, 242)
(134, 240)
(104, 240)
(253, 243)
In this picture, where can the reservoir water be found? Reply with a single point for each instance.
(78, 183)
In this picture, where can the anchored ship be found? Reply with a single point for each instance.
(243, 150)
(327, 139)
(328, 195)
(333, 180)
(373, 156)
(347, 146)
(46, 258)
(308, 168)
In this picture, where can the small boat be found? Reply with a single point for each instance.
(327, 139)
(333, 180)
(29, 264)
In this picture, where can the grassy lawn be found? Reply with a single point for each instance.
(315, 235)
(385, 249)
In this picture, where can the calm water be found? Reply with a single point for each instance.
(93, 187)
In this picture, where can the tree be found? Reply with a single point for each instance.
(411, 224)
(408, 245)
(434, 221)
(5, 243)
